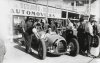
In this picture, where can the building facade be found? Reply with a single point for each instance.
(17, 10)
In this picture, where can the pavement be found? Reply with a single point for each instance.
(96, 60)
(16, 54)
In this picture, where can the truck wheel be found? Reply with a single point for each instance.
(95, 41)
(74, 47)
(42, 49)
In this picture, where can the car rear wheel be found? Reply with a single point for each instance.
(74, 47)
(42, 49)
(95, 42)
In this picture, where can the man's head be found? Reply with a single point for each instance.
(38, 26)
(81, 19)
(26, 20)
(52, 22)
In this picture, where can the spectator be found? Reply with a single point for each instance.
(95, 28)
(42, 23)
(89, 35)
(53, 26)
(23, 31)
(46, 26)
(70, 25)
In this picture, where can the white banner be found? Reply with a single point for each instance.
(28, 9)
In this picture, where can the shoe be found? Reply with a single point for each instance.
(82, 53)
(96, 57)
(90, 55)
(29, 50)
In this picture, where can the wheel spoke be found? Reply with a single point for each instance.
(71, 46)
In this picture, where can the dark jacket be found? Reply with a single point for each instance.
(29, 27)
(81, 28)
(95, 29)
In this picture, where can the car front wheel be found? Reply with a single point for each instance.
(74, 47)
(42, 49)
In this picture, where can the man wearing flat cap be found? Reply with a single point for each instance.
(85, 33)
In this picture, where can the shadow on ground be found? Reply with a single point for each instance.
(52, 55)
(23, 49)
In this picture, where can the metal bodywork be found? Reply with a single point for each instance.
(69, 34)
(55, 44)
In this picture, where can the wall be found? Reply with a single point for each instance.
(6, 17)
(5, 21)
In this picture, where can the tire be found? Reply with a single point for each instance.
(42, 49)
(95, 42)
(74, 47)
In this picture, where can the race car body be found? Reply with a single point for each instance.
(52, 42)
(55, 43)
(48, 42)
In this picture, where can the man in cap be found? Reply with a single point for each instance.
(28, 33)
(81, 35)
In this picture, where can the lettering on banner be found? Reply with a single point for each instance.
(31, 13)
(51, 15)
(23, 11)
(28, 12)
(23, 8)
(17, 11)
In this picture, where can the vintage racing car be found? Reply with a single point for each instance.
(53, 43)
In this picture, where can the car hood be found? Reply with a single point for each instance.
(51, 38)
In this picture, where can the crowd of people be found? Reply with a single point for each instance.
(86, 30)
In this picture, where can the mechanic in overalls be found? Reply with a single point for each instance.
(81, 35)
(28, 33)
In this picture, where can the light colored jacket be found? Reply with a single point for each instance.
(89, 28)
